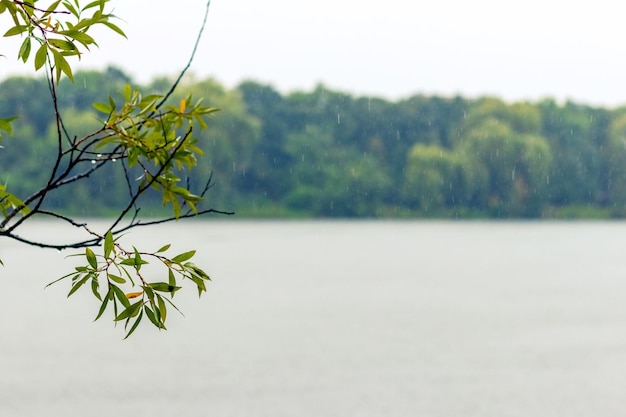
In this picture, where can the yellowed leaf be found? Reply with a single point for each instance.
(131, 295)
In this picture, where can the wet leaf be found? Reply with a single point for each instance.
(78, 284)
(40, 56)
(184, 256)
(103, 306)
(162, 307)
(24, 52)
(94, 287)
(164, 248)
(91, 258)
(108, 244)
(164, 287)
(134, 326)
(129, 311)
(102, 107)
(15, 30)
(117, 279)
(115, 28)
(119, 294)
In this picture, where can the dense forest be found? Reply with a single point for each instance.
(325, 153)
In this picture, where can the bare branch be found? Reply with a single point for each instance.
(170, 219)
(191, 58)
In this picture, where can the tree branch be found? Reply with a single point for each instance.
(191, 58)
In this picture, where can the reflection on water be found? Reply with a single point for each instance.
(333, 319)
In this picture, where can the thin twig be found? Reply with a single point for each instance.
(191, 58)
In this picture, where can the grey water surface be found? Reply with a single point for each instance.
(332, 318)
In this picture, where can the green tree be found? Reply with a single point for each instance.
(521, 117)
(576, 175)
(136, 133)
(615, 154)
(268, 175)
(333, 181)
(517, 167)
(436, 179)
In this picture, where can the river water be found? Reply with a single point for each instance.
(314, 318)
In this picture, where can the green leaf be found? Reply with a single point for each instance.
(164, 287)
(197, 271)
(116, 278)
(111, 103)
(94, 287)
(127, 91)
(30, 9)
(24, 52)
(84, 23)
(153, 317)
(95, 3)
(134, 326)
(119, 294)
(15, 30)
(79, 284)
(174, 306)
(61, 65)
(91, 258)
(70, 8)
(184, 256)
(199, 283)
(62, 278)
(129, 311)
(102, 107)
(103, 306)
(148, 292)
(108, 244)
(137, 261)
(50, 9)
(5, 124)
(79, 36)
(62, 44)
(40, 56)
(164, 248)
(115, 28)
(162, 308)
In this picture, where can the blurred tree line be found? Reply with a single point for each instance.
(325, 153)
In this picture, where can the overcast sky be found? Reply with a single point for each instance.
(393, 48)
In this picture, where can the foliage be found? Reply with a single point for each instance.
(148, 141)
(118, 266)
(323, 153)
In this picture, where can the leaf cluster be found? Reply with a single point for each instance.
(57, 31)
(116, 279)
(155, 137)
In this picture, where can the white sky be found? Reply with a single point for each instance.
(393, 48)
